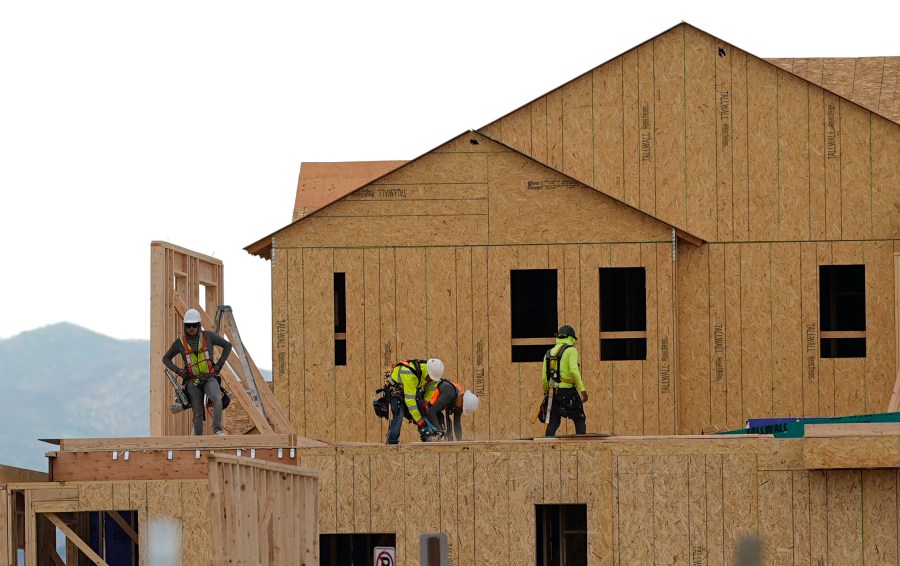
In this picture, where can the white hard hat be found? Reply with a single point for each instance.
(470, 402)
(435, 369)
(192, 316)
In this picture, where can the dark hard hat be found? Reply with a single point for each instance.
(566, 330)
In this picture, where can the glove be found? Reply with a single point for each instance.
(426, 407)
(421, 422)
(217, 368)
(183, 372)
(584, 396)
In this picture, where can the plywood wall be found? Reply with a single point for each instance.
(648, 502)
(426, 254)
(719, 143)
(870, 82)
(434, 302)
(748, 324)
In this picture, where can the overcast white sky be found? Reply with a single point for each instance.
(127, 122)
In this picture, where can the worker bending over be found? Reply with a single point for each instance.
(448, 401)
(406, 381)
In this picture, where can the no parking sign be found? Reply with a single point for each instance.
(385, 556)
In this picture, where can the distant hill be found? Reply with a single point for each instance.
(64, 381)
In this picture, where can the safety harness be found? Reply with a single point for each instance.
(552, 366)
(199, 361)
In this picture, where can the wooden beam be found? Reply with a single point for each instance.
(894, 404)
(851, 452)
(689, 237)
(6, 527)
(273, 412)
(842, 334)
(533, 341)
(623, 334)
(70, 534)
(206, 442)
(147, 465)
(124, 525)
(850, 429)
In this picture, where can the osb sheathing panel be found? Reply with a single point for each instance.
(629, 397)
(729, 147)
(453, 302)
(870, 82)
(748, 333)
(347, 378)
(659, 501)
(479, 194)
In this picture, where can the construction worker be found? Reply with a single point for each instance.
(447, 400)
(561, 382)
(406, 381)
(200, 372)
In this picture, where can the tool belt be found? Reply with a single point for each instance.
(200, 380)
(569, 402)
(381, 403)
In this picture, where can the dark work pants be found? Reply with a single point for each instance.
(397, 415)
(212, 390)
(572, 400)
(447, 396)
(453, 432)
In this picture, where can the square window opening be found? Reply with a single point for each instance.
(561, 533)
(623, 313)
(533, 311)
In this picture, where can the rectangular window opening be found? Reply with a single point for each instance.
(340, 319)
(623, 313)
(533, 311)
(354, 548)
(561, 535)
(842, 311)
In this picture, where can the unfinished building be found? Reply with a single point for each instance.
(721, 230)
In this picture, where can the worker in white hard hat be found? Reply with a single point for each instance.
(447, 402)
(199, 371)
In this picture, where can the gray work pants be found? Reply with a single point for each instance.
(212, 390)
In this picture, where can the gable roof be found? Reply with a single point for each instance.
(871, 82)
(518, 130)
(332, 210)
(707, 115)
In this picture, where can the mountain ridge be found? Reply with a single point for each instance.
(66, 381)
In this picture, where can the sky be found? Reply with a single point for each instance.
(123, 123)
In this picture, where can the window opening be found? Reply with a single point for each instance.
(623, 313)
(533, 312)
(354, 548)
(842, 311)
(340, 319)
(561, 533)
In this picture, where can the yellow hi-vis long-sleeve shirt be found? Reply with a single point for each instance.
(411, 386)
(570, 375)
